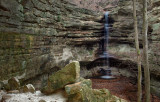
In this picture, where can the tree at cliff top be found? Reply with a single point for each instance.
(139, 94)
(145, 52)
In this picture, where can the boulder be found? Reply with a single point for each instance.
(102, 95)
(42, 100)
(80, 92)
(116, 99)
(68, 75)
(28, 88)
(13, 84)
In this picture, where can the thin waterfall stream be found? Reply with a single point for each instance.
(106, 36)
(106, 70)
(101, 65)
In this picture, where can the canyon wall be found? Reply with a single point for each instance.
(41, 36)
(122, 36)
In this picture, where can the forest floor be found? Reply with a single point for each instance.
(121, 87)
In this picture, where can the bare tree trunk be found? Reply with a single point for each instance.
(145, 52)
(139, 94)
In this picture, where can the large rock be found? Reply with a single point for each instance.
(13, 84)
(102, 95)
(80, 92)
(28, 88)
(68, 75)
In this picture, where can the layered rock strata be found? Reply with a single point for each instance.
(41, 36)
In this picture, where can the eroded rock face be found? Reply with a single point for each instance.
(154, 58)
(122, 36)
(68, 75)
(96, 5)
(39, 36)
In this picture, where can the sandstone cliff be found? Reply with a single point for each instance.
(37, 36)
(41, 36)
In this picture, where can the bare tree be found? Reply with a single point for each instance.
(139, 94)
(145, 52)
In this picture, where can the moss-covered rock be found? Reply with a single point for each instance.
(68, 75)
(102, 95)
(80, 92)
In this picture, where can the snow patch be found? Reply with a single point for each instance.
(36, 97)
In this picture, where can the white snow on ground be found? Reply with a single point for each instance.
(36, 97)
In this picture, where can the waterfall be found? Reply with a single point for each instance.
(105, 41)
(106, 30)
(102, 55)
(106, 35)
(105, 55)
